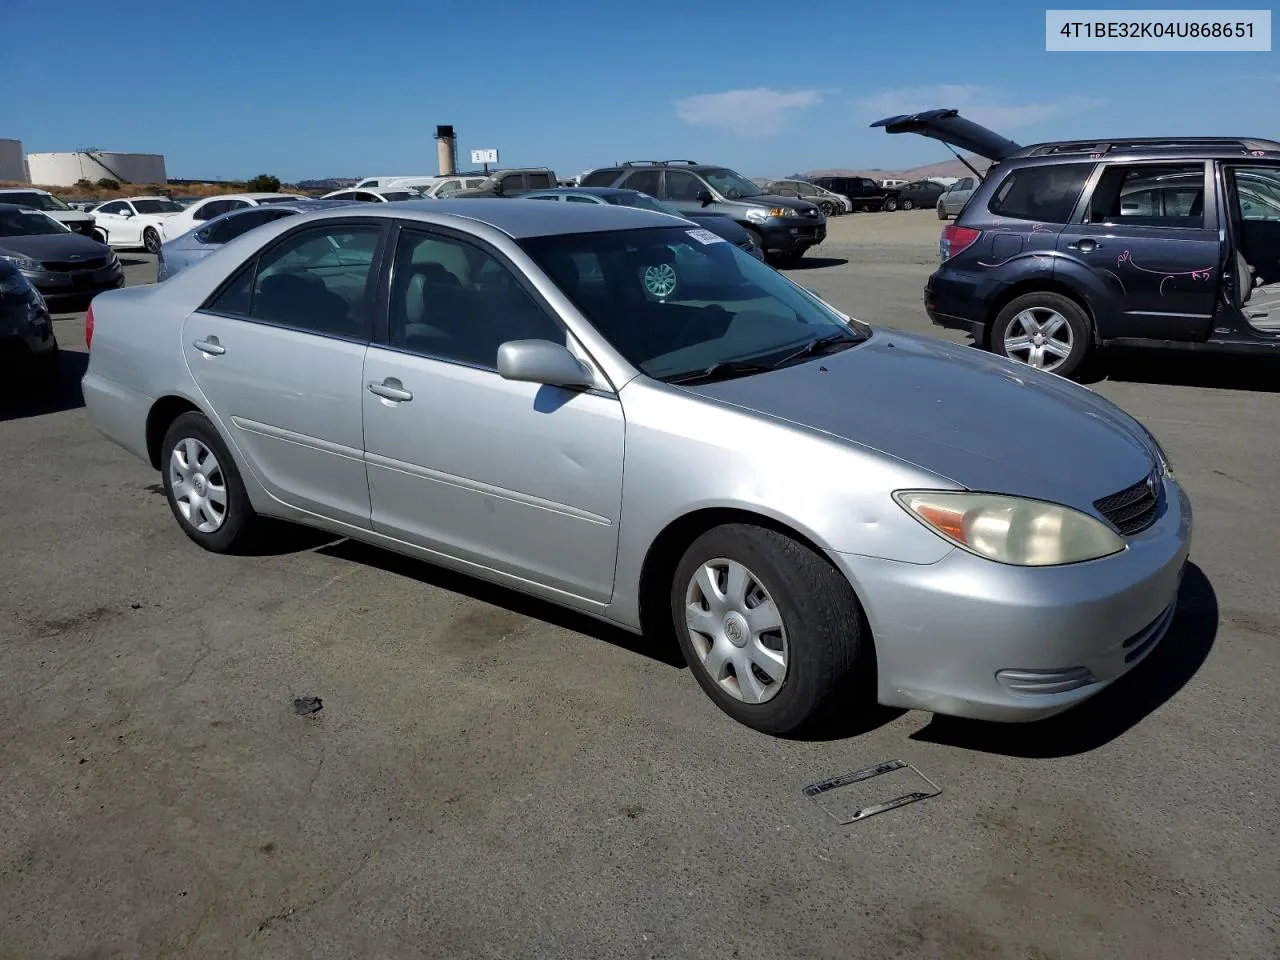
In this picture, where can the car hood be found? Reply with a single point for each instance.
(981, 421)
(774, 200)
(54, 246)
(951, 128)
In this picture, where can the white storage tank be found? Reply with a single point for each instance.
(13, 162)
(64, 169)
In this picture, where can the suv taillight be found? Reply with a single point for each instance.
(955, 240)
(88, 327)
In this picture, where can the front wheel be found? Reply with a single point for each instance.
(890, 205)
(942, 212)
(908, 205)
(1044, 330)
(151, 240)
(772, 632)
(203, 486)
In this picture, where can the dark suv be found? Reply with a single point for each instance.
(1069, 246)
(783, 227)
(863, 192)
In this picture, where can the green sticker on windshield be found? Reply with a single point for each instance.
(660, 280)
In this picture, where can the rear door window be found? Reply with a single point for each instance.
(601, 178)
(1046, 194)
(1150, 195)
(538, 181)
(646, 181)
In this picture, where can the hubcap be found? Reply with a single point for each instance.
(660, 279)
(1040, 337)
(737, 631)
(199, 488)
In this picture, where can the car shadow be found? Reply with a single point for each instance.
(135, 261)
(18, 401)
(816, 263)
(1114, 711)
(1182, 369)
(663, 651)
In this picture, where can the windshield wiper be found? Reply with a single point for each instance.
(821, 345)
(718, 371)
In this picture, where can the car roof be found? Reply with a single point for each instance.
(10, 207)
(249, 196)
(148, 197)
(592, 191)
(519, 218)
(25, 190)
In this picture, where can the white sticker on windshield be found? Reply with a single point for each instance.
(705, 236)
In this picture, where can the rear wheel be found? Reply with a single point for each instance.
(771, 631)
(151, 240)
(203, 486)
(890, 205)
(1043, 330)
(942, 211)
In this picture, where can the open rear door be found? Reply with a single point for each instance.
(954, 130)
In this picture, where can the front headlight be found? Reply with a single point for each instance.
(25, 264)
(760, 214)
(1014, 530)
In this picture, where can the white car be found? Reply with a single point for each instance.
(383, 195)
(74, 220)
(135, 222)
(445, 186)
(210, 207)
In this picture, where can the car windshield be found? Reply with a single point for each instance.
(156, 206)
(28, 223)
(37, 201)
(730, 185)
(679, 301)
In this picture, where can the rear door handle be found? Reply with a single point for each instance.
(390, 389)
(210, 346)
(1085, 246)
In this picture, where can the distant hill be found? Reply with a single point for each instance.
(947, 168)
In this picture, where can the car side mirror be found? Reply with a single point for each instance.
(126, 213)
(705, 198)
(541, 361)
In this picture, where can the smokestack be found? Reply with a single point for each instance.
(446, 150)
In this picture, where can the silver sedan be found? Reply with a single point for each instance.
(618, 411)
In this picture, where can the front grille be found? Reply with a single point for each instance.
(65, 266)
(1134, 508)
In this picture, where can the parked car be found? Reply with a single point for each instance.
(59, 263)
(784, 227)
(179, 253)
(831, 204)
(863, 193)
(28, 346)
(370, 195)
(919, 194)
(538, 395)
(210, 207)
(448, 186)
(721, 224)
(1066, 247)
(952, 200)
(134, 222)
(509, 183)
(75, 220)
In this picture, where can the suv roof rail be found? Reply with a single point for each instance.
(657, 163)
(1141, 144)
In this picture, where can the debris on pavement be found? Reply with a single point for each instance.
(305, 706)
(839, 807)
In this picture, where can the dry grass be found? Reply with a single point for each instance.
(146, 190)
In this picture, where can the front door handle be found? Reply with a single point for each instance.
(210, 346)
(1085, 246)
(390, 389)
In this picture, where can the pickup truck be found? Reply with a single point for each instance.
(510, 183)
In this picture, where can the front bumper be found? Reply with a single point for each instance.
(791, 234)
(972, 638)
(76, 283)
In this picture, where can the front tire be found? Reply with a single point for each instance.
(151, 240)
(942, 212)
(908, 205)
(203, 486)
(772, 632)
(1044, 330)
(890, 205)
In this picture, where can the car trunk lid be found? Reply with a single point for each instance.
(953, 130)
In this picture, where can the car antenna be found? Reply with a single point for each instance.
(981, 178)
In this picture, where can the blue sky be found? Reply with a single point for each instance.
(329, 88)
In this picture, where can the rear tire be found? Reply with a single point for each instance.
(1064, 326)
(890, 205)
(804, 628)
(203, 486)
(942, 212)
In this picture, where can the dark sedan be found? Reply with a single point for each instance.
(919, 194)
(58, 263)
(721, 224)
(28, 348)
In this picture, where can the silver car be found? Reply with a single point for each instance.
(634, 419)
(955, 197)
